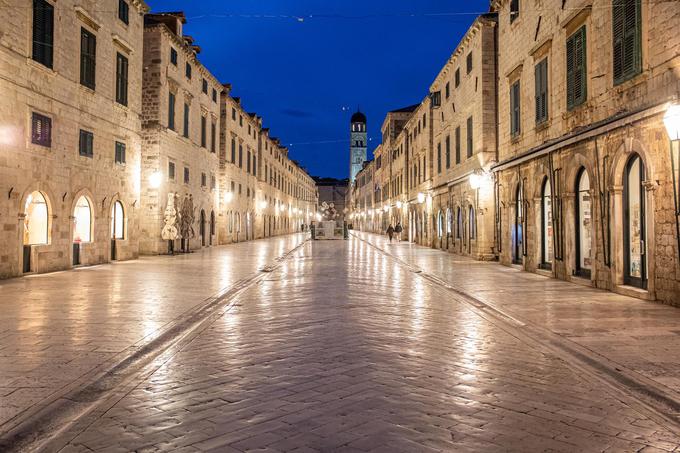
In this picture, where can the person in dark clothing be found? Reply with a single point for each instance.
(397, 230)
(390, 231)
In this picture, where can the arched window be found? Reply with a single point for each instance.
(634, 234)
(238, 222)
(82, 221)
(583, 224)
(546, 226)
(517, 233)
(201, 227)
(472, 223)
(212, 223)
(117, 221)
(36, 220)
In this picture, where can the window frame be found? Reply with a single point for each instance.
(119, 156)
(122, 71)
(42, 47)
(88, 58)
(44, 138)
(86, 143)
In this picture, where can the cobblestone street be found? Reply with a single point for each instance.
(342, 347)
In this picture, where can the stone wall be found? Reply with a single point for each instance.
(58, 171)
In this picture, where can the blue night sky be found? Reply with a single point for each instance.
(306, 77)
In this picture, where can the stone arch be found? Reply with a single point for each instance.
(87, 194)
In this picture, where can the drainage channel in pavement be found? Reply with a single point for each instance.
(49, 426)
(656, 401)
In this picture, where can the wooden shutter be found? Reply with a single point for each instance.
(541, 90)
(88, 58)
(514, 109)
(576, 68)
(626, 36)
(43, 32)
(469, 137)
(121, 79)
(171, 111)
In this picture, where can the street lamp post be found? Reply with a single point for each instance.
(672, 122)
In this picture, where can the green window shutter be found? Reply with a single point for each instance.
(576, 68)
(626, 39)
(171, 111)
(43, 32)
(541, 90)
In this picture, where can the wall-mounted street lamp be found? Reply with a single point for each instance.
(155, 179)
(672, 122)
(399, 204)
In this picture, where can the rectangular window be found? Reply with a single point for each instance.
(213, 182)
(121, 79)
(187, 70)
(457, 77)
(41, 130)
(448, 151)
(233, 151)
(248, 162)
(43, 32)
(214, 95)
(186, 120)
(254, 165)
(627, 42)
(204, 132)
(213, 129)
(458, 145)
(439, 157)
(233, 114)
(576, 68)
(514, 109)
(119, 156)
(541, 90)
(123, 12)
(186, 175)
(469, 137)
(240, 120)
(240, 156)
(171, 170)
(514, 10)
(173, 56)
(204, 180)
(448, 90)
(171, 111)
(86, 145)
(204, 86)
(88, 58)
(468, 63)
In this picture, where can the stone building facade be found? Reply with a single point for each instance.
(108, 113)
(180, 126)
(264, 192)
(584, 180)
(70, 139)
(568, 170)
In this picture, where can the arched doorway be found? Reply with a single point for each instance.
(449, 226)
(36, 226)
(583, 224)
(212, 226)
(82, 226)
(440, 227)
(517, 230)
(201, 227)
(546, 226)
(117, 226)
(634, 234)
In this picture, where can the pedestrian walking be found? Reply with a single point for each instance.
(390, 232)
(398, 229)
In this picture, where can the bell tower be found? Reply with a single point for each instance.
(357, 144)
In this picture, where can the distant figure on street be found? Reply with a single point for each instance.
(398, 229)
(390, 232)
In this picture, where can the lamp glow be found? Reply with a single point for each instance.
(399, 204)
(155, 179)
(672, 121)
(228, 196)
(421, 197)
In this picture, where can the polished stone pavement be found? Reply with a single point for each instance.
(341, 348)
(637, 334)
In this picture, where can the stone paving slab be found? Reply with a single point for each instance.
(642, 336)
(56, 327)
(342, 349)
